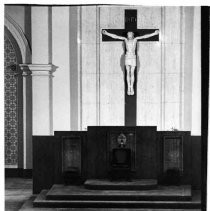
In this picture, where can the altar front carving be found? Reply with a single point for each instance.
(141, 151)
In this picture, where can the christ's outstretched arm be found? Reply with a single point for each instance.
(147, 35)
(113, 35)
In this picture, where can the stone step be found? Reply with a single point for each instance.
(162, 193)
(41, 202)
(145, 184)
(28, 206)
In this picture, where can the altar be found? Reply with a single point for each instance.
(147, 161)
(75, 168)
(89, 153)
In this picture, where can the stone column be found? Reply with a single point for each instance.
(42, 89)
(42, 69)
(27, 116)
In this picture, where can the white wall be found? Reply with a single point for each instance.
(196, 78)
(88, 66)
(149, 73)
(88, 86)
(169, 74)
(60, 57)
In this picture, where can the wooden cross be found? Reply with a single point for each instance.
(130, 25)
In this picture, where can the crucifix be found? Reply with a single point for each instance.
(130, 35)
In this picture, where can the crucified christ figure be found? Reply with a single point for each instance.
(130, 56)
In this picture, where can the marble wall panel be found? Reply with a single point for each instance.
(149, 17)
(173, 58)
(172, 25)
(111, 99)
(89, 88)
(88, 27)
(114, 17)
(148, 113)
(111, 58)
(88, 70)
(161, 64)
(149, 57)
(88, 114)
(148, 88)
(172, 115)
(60, 57)
(89, 58)
(172, 88)
(149, 70)
(111, 70)
(39, 19)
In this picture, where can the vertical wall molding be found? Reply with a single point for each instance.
(50, 62)
(79, 57)
(27, 117)
(98, 32)
(70, 114)
(50, 34)
(74, 63)
(188, 68)
(162, 94)
(196, 74)
(181, 76)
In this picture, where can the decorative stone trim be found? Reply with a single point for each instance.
(25, 69)
(38, 69)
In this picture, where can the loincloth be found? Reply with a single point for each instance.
(130, 60)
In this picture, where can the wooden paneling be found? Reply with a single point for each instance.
(173, 153)
(81, 135)
(196, 162)
(97, 152)
(146, 153)
(95, 147)
(187, 158)
(43, 162)
(71, 153)
(47, 159)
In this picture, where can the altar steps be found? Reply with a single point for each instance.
(78, 197)
(99, 184)
(162, 193)
(28, 206)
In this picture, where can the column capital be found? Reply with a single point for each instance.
(25, 69)
(38, 69)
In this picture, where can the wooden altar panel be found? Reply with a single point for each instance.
(196, 162)
(97, 151)
(71, 153)
(187, 154)
(47, 158)
(173, 153)
(146, 152)
(43, 162)
(80, 152)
